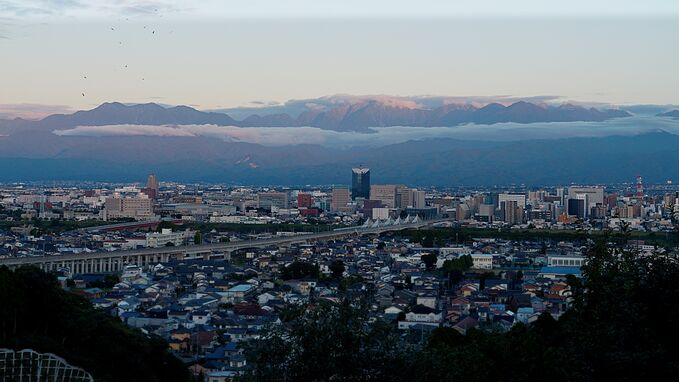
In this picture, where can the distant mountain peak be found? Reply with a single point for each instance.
(340, 113)
(672, 114)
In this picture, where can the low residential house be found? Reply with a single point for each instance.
(504, 321)
(519, 300)
(200, 317)
(531, 288)
(177, 313)
(559, 289)
(405, 295)
(237, 293)
(421, 314)
(179, 339)
(301, 287)
(203, 340)
(497, 309)
(267, 285)
(103, 303)
(483, 314)
(524, 314)
(92, 293)
(129, 304)
(392, 312)
(427, 299)
(221, 376)
(496, 284)
(461, 305)
(237, 334)
(464, 325)
(237, 361)
(264, 298)
(204, 302)
(559, 273)
(248, 311)
(538, 304)
(468, 289)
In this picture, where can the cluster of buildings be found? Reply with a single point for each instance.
(207, 309)
(593, 206)
(377, 201)
(124, 211)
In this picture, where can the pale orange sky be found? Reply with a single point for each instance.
(226, 54)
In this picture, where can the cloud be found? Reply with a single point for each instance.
(274, 136)
(286, 136)
(126, 130)
(355, 9)
(297, 106)
(27, 8)
(91, 8)
(31, 110)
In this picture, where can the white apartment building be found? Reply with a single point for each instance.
(482, 261)
(161, 239)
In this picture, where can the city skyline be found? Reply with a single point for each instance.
(339, 190)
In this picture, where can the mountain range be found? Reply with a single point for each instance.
(442, 162)
(346, 115)
(671, 114)
(35, 150)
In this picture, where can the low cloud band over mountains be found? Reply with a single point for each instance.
(406, 140)
(339, 114)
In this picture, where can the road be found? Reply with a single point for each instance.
(147, 255)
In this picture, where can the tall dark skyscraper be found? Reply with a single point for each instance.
(360, 182)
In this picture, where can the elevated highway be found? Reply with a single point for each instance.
(114, 261)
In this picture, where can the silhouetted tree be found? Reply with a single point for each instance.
(429, 259)
(337, 268)
(36, 313)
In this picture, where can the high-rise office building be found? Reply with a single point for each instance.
(577, 207)
(595, 195)
(340, 199)
(512, 212)
(419, 199)
(305, 200)
(152, 182)
(385, 193)
(152, 187)
(520, 199)
(409, 197)
(272, 200)
(360, 182)
(139, 208)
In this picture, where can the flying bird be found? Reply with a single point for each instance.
(112, 29)
(83, 94)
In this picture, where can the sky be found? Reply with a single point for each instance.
(62, 55)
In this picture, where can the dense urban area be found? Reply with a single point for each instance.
(400, 272)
